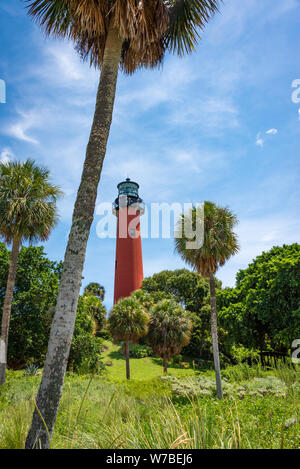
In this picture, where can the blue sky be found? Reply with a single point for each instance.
(194, 130)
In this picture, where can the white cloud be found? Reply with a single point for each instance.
(148, 90)
(63, 66)
(272, 132)
(213, 114)
(19, 129)
(6, 155)
(259, 141)
(233, 20)
(66, 62)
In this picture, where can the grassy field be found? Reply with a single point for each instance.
(140, 368)
(260, 408)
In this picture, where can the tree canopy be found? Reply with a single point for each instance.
(27, 201)
(147, 28)
(263, 311)
(190, 290)
(95, 289)
(33, 306)
(169, 329)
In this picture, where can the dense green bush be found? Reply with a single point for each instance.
(263, 311)
(192, 292)
(244, 355)
(33, 304)
(104, 334)
(33, 308)
(140, 351)
(85, 354)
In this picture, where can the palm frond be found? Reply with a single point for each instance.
(187, 19)
(148, 28)
(27, 201)
(128, 321)
(219, 244)
(169, 328)
(56, 17)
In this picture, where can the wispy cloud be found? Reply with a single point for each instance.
(6, 155)
(259, 140)
(62, 66)
(19, 128)
(272, 132)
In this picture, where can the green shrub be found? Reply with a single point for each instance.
(85, 355)
(104, 334)
(177, 359)
(205, 386)
(242, 354)
(31, 370)
(140, 351)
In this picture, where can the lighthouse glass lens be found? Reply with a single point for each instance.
(129, 189)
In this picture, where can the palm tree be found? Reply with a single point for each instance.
(96, 310)
(95, 289)
(27, 212)
(112, 34)
(219, 244)
(128, 322)
(169, 330)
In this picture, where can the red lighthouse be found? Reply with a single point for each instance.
(128, 207)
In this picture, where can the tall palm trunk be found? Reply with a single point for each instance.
(165, 364)
(7, 307)
(127, 359)
(50, 390)
(214, 335)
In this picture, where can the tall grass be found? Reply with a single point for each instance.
(243, 372)
(96, 414)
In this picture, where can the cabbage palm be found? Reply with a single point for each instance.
(95, 289)
(128, 322)
(27, 212)
(219, 244)
(111, 34)
(169, 329)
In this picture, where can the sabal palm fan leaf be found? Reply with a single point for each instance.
(147, 27)
(219, 244)
(27, 202)
(169, 329)
(95, 289)
(27, 212)
(140, 24)
(112, 34)
(128, 322)
(187, 18)
(143, 298)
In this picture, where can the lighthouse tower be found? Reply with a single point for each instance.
(128, 207)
